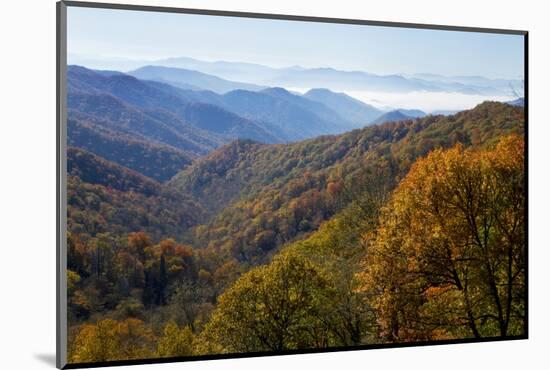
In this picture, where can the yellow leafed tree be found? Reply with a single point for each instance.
(175, 341)
(448, 259)
(271, 308)
(110, 340)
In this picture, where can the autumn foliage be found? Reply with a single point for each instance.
(448, 260)
(401, 232)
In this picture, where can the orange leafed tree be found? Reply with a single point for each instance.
(448, 259)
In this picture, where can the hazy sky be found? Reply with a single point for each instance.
(381, 50)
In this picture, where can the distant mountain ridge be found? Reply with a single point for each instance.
(242, 98)
(354, 110)
(336, 123)
(134, 123)
(107, 110)
(519, 102)
(415, 113)
(297, 76)
(269, 115)
(158, 129)
(295, 122)
(399, 115)
(190, 80)
(149, 96)
(342, 80)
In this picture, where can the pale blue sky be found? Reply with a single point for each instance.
(380, 50)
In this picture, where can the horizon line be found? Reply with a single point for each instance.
(105, 58)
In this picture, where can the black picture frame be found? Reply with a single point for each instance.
(61, 175)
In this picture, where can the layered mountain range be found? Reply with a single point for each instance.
(157, 120)
(189, 146)
(252, 196)
(154, 126)
(185, 187)
(331, 78)
(133, 135)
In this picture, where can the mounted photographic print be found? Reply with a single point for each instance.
(238, 184)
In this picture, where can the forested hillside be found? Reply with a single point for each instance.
(108, 200)
(95, 170)
(266, 195)
(139, 123)
(414, 269)
(155, 160)
(196, 120)
(209, 261)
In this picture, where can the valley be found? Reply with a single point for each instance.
(202, 208)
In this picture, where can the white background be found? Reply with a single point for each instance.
(27, 183)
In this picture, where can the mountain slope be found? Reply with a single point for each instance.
(273, 113)
(334, 122)
(155, 160)
(106, 110)
(237, 71)
(330, 78)
(295, 122)
(273, 194)
(95, 170)
(143, 96)
(188, 79)
(220, 121)
(354, 110)
(399, 115)
(103, 197)
(394, 115)
(414, 113)
(287, 116)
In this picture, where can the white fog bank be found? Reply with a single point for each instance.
(423, 100)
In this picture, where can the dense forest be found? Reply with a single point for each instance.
(183, 240)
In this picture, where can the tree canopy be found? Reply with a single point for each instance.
(447, 260)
